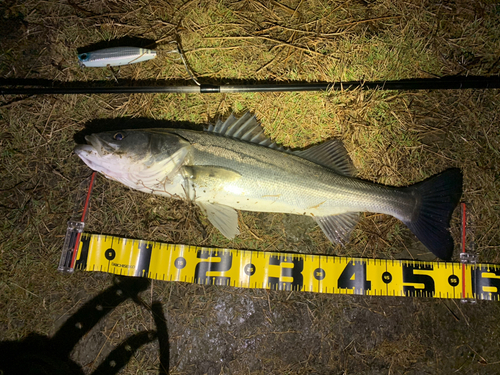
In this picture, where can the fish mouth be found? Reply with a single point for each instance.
(88, 154)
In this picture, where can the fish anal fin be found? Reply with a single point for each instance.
(224, 218)
(338, 228)
(331, 154)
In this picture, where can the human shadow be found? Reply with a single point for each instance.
(37, 354)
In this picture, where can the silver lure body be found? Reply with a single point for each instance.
(233, 166)
(115, 56)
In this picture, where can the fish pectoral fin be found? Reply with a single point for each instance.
(224, 218)
(209, 172)
(338, 228)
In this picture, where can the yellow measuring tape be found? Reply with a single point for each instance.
(282, 271)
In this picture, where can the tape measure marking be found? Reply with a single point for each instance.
(285, 271)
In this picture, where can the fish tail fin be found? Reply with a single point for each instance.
(438, 196)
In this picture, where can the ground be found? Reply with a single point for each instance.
(394, 138)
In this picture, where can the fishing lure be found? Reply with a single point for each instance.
(115, 56)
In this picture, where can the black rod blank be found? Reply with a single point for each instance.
(446, 83)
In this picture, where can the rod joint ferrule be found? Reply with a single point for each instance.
(209, 89)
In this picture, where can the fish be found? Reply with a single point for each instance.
(115, 56)
(233, 166)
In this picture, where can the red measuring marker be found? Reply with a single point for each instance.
(73, 235)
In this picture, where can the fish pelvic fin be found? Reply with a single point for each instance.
(338, 228)
(438, 196)
(224, 218)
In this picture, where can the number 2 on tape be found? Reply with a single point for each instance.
(225, 263)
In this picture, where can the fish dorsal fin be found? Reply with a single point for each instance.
(330, 154)
(224, 218)
(246, 128)
(338, 228)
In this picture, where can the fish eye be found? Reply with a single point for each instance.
(119, 136)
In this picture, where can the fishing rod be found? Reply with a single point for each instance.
(17, 87)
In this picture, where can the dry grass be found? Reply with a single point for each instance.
(393, 138)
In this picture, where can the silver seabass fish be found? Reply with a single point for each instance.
(115, 56)
(234, 166)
